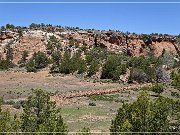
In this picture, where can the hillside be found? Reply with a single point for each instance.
(35, 38)
(64, 79)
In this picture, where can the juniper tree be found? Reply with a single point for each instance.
(41, 115)
(145, 115)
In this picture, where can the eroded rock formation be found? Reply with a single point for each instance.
(33, 40)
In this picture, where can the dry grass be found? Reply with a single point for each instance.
(19, 84)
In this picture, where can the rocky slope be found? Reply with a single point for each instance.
(35, 39)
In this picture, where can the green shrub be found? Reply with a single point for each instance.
(146, 115)
(157, 88)
(141, 75)
(4, 64)
(65, 66)
(53, 44)
(30, 66)
(40, 60)
(92, 104)
(97, 54)
(10, 26)
(17, 105)
(56, 57)
(175, 94)
(3, 28)
(71, 64)
(175, 76)
(151, 73)
(138, 75)
(93, 68)
(110, 66)
(120, 70)
(9, 102)
(82, 67)
(84, 131)
(23, 59)
(114, 67)
(139, 62)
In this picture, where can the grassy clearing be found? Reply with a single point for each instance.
(86, 116)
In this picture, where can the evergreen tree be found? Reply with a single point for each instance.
(41, 115)
(65, 66)
(9, 52)
(93, 68)
(4, 64)
(40, 60)
(4, 118)
(144, 115)
(30, 66)
(158, 88)
(23, 59)
(53, 44)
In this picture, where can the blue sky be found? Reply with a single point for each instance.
(139, 18)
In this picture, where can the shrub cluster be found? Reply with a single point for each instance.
(114, 66)
(71, 64)
(4, 64)
(175, 76)
(157, 88)
(38, 61)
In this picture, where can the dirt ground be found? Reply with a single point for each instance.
(18, 84)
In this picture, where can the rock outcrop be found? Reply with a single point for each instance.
(6, 35)
(33, 40)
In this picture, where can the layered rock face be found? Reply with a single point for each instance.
(34, 40)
